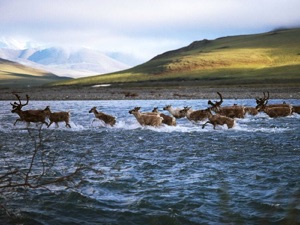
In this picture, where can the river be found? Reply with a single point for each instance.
(249, 174)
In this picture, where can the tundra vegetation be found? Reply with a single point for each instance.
(14, 75)
(258, 59)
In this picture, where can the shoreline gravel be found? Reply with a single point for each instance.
(147, 93)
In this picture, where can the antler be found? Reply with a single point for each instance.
(221, 100)
(15, 104)
(210, 103)
(217, 103)
(267, 97)
(264, 100)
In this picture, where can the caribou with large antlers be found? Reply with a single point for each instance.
(28, 115)
(234, 111)
(273, 110)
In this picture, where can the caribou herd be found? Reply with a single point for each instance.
(215, 114)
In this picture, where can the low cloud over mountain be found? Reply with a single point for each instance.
(61, 61)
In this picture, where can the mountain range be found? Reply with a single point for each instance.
(13, 74)
(270, 58)
(62, 61)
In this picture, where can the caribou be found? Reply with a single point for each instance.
(56, 117)
(296, 109)
(28, 116)
(174, 111)
(108, 119)
(234, 111)
(194, 115)
(169, 120)
(218, 120)
(146, 119)
(273, 110)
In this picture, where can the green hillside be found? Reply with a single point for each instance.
(13, 74)
(267, 58)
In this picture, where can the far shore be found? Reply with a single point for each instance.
(147, 93)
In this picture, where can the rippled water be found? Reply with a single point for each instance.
(169, 175)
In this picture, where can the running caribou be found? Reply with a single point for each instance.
(194, 115)
(146, 119)
(56, 117)
(218, 119)
(273, 110)
(174, 111)
(169, 120)
(234, 111)
(28, 116)
(108, 119)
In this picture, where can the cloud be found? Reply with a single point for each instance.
(143, 27)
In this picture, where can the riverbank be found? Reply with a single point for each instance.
(122, 93)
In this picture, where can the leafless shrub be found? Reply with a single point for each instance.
(38, 168)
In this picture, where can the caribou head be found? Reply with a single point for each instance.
(217, 104)
(18, 106)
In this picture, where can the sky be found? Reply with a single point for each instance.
(139, 28)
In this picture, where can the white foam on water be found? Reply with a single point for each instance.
(81, 120)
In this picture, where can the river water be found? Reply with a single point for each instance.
(168, 175)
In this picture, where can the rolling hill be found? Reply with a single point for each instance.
(266, 58)
(65, 62)
(13, 74)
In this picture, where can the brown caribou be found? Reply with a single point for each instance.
(234, 111)
(146, 119)
(108, 119)
(174, 111)
(28, 116)
(56, 117)
(273, 110)
(218, 120)
(194, 115)
(169, 120)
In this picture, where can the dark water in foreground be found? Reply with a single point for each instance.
(170, 175)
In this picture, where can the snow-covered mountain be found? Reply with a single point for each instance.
(62, 61)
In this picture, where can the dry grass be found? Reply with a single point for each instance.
(272, 57)
(15, 74)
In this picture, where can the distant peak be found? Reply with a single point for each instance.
(16, 44)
